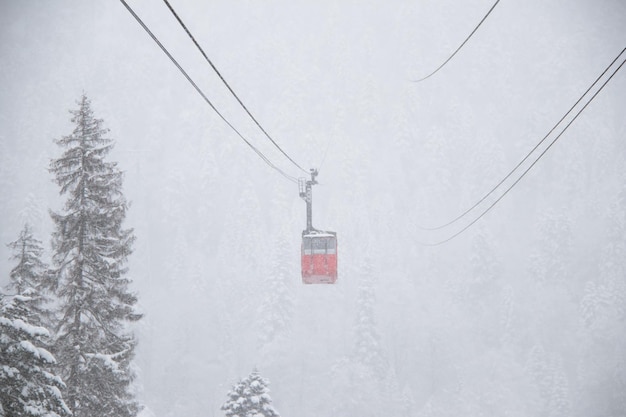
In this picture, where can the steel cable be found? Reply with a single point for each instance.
(195, 86)
(229, 87)
(531, 166)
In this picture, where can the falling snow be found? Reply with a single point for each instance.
(521, 314)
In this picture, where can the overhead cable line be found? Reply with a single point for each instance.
(229, 87)
(325, 153)
(460, 216)
(460, 46)
(533, 164)
(195, 86)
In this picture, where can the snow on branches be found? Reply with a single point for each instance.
(250, 398)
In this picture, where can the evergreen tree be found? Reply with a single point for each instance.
(33, 212)
(483, 289)
(90, 246)
(276, 310)
(363, 382)
(250, 398)
(30, 278)
(29, 274)
(28, 386)
(550, 381)
(367, 349)
(553, 249)
(602, 368)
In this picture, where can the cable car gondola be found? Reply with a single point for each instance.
(319, 248)
(319, 257)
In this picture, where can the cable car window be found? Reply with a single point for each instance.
(319, 245)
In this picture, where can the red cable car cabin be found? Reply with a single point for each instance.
(319, 257)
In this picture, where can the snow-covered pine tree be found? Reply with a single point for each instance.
(276, 310)
(34, 211)
(250, 398)
(362, 381)
(93, 345)
(367, 350)
(29, 275)
(602, 368)
(28, 386)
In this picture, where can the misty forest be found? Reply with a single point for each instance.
(472, 163)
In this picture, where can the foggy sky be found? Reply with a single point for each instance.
(332, 83)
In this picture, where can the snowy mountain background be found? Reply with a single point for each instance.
(522, 315)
